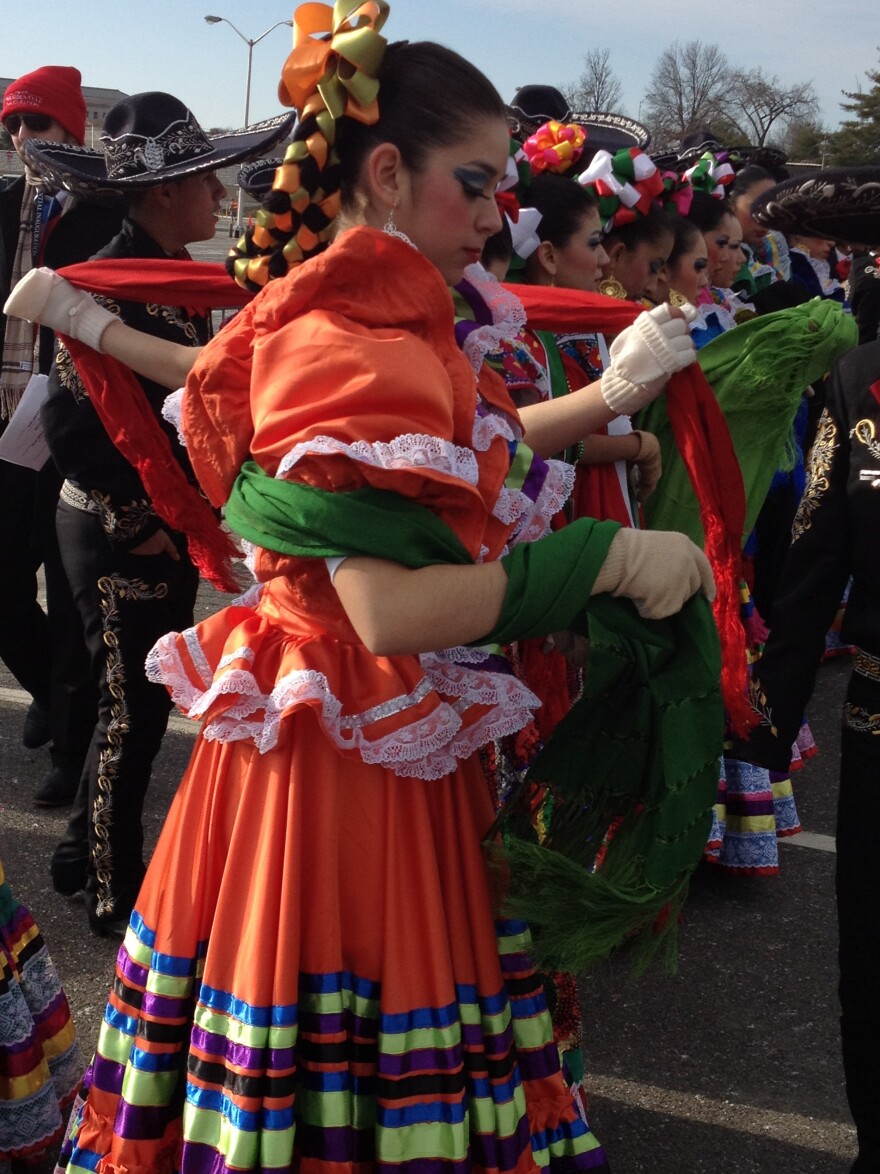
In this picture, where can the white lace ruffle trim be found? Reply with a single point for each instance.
(508, 317)
(426, 748)
(411, 451)
(531, 519)
(172, 411)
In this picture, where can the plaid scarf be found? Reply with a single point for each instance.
(20, 336)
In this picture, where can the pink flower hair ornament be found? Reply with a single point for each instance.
(555, 147)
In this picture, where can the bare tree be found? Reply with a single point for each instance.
(758, 102)
(598, 87)
(689, 87)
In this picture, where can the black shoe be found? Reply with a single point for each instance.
(69, 876)
(35, 732)
(108, 927)
(58, 789)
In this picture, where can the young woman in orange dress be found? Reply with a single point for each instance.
(314, 976)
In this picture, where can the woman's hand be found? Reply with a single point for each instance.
(42, 296)
(644, 356)
(659, 570)
(648, 464)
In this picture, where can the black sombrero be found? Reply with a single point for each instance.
(532, 106)
(256, 177)
(149, 139)
(841, 203)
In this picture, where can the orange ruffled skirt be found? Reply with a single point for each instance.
(314, 979)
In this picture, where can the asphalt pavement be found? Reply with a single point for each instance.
(730, 1066)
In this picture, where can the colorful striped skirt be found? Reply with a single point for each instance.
(314, 978)
(40, 1065)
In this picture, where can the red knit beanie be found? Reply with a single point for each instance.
(53, 90)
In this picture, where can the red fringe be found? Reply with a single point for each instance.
(702, 438)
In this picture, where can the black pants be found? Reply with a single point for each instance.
(126, 602)
(858, 905)
(45, 653)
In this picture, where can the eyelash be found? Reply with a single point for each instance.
(473, 184)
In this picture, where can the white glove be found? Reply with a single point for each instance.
(659, 570)
(643, 357)
(42, 296)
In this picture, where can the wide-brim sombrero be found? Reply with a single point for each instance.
(257, 177)
(841, 203)
(532, 106)
(150, 139)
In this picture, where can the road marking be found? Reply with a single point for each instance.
(183, 725)
(811, 840)
(176, 722)
(826, 1137)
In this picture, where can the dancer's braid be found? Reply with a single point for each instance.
(323, 79)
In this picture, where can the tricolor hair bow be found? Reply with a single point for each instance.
(626, 185)
(510, 196)
(711, 174)
(555, 147)
(678, 194)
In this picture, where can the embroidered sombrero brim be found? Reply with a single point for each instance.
(257, 177)
(842, 203)
(84, 171)
(533, 106)
(610, 132)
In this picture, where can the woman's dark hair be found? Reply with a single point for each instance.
(647, 229)
(707, 211)
(747, 178)
(429, 97)
(686, 234)
(563, 203)
(499, 246)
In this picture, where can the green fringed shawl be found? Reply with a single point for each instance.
(643, 742)
(642, 746)
(758, 371)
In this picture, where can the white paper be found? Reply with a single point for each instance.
(23, 442)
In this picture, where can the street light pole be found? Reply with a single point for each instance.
(250, 42)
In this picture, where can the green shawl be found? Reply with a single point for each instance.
(758, 371)
(642, 743)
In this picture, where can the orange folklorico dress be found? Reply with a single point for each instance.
(314, 978)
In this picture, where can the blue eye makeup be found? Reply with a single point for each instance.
(657, 265)
(700, 264)
(596, 240)
(473, 182)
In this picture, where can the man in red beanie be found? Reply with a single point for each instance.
(50, 103)
(46, 654)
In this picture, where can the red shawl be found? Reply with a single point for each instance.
(703, 439)
(697, 423)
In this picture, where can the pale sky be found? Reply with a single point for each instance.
(135, 45)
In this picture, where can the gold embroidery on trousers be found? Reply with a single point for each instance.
(867, 666)
(859, 720)
(113, 588)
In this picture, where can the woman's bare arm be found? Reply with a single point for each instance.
(550, 427)
(397, 611)
(166, 363)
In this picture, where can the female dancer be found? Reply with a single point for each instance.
(572, 254)
(314, 941)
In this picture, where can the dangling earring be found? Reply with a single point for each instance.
(391, 228)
